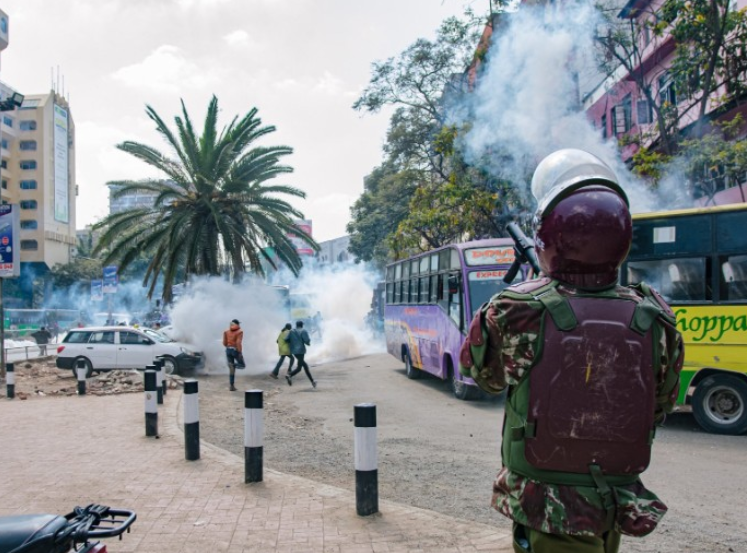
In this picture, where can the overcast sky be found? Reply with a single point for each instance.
(302, 63)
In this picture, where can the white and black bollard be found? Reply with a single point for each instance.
(164, 378)
(80, 373)
(159, 381)
(10, 380)
(366, 460)
(151, 405)
(253, 436)
(191, 421)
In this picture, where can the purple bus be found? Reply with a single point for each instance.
(431, 299)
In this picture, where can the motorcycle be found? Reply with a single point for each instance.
(64, 534)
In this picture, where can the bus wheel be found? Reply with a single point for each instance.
(460, 388)
(411, 372)
(720, 405)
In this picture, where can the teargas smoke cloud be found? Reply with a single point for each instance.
(342, 296)
(525, 104)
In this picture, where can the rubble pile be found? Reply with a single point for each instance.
(41, 378)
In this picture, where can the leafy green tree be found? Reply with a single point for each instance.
(377, 212)
(214, 211)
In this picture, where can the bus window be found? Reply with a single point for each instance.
(444, 258)
(424, 295)
(733, 278)
(434, 263)
(424, 264)
(397, 292)
(455, 303)
(455, 263)
(680, 279)
(405, 271)
(390, 273)
(414, 290)
(435, 288)
(390, 292)
(483, 285)
(414, 267)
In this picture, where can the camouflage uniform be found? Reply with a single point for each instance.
(511, 334)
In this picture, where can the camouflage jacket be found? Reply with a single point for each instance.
(510, 330)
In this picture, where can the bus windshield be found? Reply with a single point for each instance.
(483, 285)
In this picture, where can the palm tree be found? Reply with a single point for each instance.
(214, 212)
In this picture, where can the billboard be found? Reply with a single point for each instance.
(109, 284)
(61, 190)
(302, 248)
(97, 290)
(10, 230)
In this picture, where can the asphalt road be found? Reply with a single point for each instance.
(439, 453)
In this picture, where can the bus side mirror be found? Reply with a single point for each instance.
(453, 284)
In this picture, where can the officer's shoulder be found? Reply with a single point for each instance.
(529, 286)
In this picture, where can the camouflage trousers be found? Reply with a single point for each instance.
(527, 540)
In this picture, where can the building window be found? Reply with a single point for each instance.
(622, 115)
(29, 245)
(29, 225)
(28, 164)
(5, 184)
(4, 164)
(604, 126)
(28, 185)
(28, 204)
(667, 94)
(645, 116)
(28, 125)
(7, 121)
(28, 145)
(4, 143)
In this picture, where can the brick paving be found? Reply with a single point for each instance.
(56, 453)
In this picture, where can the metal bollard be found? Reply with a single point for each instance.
(80, 374)
(191, 421)
(159, 380)
(151, 407)
(366, 460)
(158, 362)
(10, 380)
(253, 436)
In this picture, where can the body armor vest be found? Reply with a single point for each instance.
(584, 414)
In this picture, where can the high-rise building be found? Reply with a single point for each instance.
(37, 172)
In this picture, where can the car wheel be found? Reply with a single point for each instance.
(411, 372)
(89, 366)
(170, 366)
(720, 404)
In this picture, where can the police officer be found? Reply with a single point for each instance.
(591, 368)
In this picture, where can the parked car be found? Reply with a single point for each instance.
(106, 348)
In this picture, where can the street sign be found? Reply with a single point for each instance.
(110, 280)
(10, 230)
(97, 290)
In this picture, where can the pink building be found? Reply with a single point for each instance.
(617, 107)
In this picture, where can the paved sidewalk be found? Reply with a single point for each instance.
(56, 453)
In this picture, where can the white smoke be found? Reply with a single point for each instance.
(525, 104)
(342, 296)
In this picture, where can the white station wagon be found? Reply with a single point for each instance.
(106, 348)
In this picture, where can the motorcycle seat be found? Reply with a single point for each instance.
(31, 534)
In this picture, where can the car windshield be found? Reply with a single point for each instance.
(157, 336)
